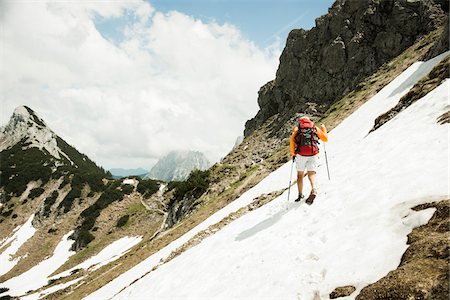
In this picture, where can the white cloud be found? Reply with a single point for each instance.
(173, 82)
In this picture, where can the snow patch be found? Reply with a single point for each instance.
(110, 253)
(50, 290)
(37, 276)
(129, 181)
(21, 235)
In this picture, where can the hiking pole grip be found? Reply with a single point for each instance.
(326, 160)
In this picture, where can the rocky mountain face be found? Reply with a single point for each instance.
(319, 66)
(26, 127)
(177, 165)
(31, 151)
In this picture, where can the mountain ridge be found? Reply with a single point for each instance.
(177, 165)
(349, 43)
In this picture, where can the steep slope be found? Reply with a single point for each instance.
(354, 233)
(177, 165)
(319, 66)
(257, 156)
(30, 150)
(59, 208)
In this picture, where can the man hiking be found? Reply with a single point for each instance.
(305, 153)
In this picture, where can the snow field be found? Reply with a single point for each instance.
(275, 181)
(354, 233)
(38, 276)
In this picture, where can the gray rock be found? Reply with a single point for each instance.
(347, 44)
(177, 165)
(342, 291)
(441, 45)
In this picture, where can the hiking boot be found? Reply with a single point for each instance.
(300, 197)
(311, 197)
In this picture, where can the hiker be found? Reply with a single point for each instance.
(305, 153)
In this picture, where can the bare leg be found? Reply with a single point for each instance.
(300, 175)
(312, 180)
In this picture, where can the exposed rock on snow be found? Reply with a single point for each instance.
(342, 291)
(423, 270)
(436, 76)
(444, 118)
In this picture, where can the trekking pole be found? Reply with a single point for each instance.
(290, 179)
(326, 160)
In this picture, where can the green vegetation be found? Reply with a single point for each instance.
(127, 189)
(243, 176)
(197, 183)
(19, 167)
(7, 213)
(220, 171)
(122, 221)
(36, 192)
(49, 201)
(135, 208)
(67, 202)
(148, 187)
(90, 214)
(80, 160)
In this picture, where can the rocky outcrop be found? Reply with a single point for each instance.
(418, 91)
(423, 270)
(441, 45)
(352, 41)
(342, 291)
(444, 118)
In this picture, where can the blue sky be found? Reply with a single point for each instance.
(261, 21)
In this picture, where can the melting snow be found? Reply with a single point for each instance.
(108, 254)
(354, 233)
(37, 276)
(20, 236)
(50, 290)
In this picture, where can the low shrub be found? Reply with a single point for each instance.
(148, 187)
(127, 189)
(122, 221)
(36, 192)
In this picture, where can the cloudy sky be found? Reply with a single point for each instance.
(127, 81)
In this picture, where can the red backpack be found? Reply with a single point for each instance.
(306, 139)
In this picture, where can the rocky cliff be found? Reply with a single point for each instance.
(319, 66)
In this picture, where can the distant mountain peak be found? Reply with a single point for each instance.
(177, 165)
